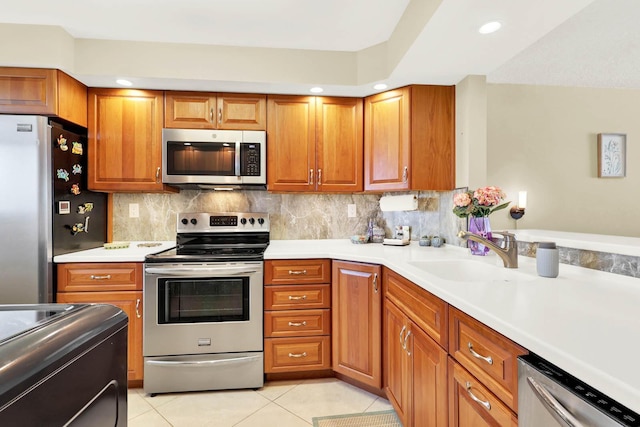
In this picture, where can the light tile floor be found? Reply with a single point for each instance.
(277, 404)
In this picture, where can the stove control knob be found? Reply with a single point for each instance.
(243, 221)
(260, 221)
(194, 221)
(252, 221)
(185, 221)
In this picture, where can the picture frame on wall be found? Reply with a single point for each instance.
(612, 155)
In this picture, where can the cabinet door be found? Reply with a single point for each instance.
(429, 377)
(472, 405)
(28, 91)
(291, 147)
(386, 141)
(339, 140)
(131, 304)
(356, 328)
(397, 384)
(190, 110)
(125, 137)
(242, 111)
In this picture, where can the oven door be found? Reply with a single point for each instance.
(194, 308)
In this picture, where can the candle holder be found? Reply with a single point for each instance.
(516, 212)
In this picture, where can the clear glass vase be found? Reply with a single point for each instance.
(482, 227)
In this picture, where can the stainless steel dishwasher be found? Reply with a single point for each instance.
(549, 397)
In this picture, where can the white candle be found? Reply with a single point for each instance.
(522, 199)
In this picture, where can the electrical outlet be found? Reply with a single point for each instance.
(351, 210)
(134, 210)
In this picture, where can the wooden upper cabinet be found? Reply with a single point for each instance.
(291, 146)
(201, 110)
(410, 139)
(125, 137)
(43, 91)
(339, 144)
(314, 144)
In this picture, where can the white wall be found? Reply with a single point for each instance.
(543, 140)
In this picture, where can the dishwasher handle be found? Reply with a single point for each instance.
(557, 411)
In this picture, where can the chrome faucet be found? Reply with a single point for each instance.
(509, 251)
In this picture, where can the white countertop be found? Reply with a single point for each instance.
(133, 253)
(585, 321)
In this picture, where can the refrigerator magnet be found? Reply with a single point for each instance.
(64, 207)
(76, 148)
(63, 174)
(75, 189)
(62, 143)
(76, 169)
(85, 207)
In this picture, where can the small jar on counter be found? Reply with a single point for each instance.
(547, 259)
(378, 235)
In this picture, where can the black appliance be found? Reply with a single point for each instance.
(63, 365)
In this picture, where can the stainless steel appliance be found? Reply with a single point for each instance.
(214, 158)
(45, 208)
(549, 396)
(203, 322)
(63, 365)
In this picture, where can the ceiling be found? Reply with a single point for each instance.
(569, 42)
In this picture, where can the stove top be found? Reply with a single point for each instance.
(227, 236)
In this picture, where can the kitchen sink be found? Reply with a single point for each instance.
(470, 271)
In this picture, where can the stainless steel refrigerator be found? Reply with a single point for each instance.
(45, 207)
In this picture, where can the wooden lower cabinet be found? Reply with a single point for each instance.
(131, 304)
(473, 405)
(416, 372)
(118, 284)
(357, 321)
(297, 354)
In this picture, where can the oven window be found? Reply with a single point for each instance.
(217, 299)
(201, 158)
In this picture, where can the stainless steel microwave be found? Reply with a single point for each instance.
(198, 158)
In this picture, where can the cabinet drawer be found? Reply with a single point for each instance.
(425, 309)
(284, 272)
(472, 404)
(297, 297)
(297, 354)
(295, 323)
(78, 277)
(488, 355)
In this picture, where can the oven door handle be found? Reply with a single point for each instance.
(203, 363)
(552, 405)
(200, 271)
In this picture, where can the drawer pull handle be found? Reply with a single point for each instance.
(402, 342)
(484, 403)
(487, 359)
(138, 315)
(298, 324)
(297, 356)
(297, 272)
(294, 298)
(105, 277)
(404, 345)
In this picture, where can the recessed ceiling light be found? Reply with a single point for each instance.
(380, 86)
(124, 82)
(490, 27)
(316, 90)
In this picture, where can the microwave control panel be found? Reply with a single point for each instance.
(250, 159)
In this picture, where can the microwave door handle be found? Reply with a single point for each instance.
(551, 404)
(206, 271)
(238, 159)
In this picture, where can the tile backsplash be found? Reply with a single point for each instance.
(293, 216)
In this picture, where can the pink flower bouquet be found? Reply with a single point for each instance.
(479, 203)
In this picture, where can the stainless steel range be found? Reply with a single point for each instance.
(204, 305)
